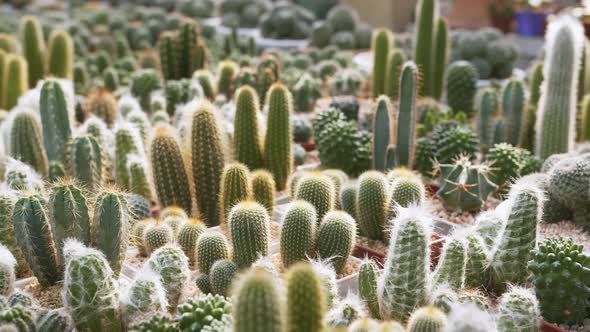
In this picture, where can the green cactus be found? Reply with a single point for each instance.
(382, 136)
(278, 155)
(205, 312)
(139, 207)
(305, 93)
(487, 109)
(170, 263)
(257, 305)
(169, 174)
(227, 71)
(318, 190)
(298, 233)
(143, 83)
(187, 237)
(527, 132)
(211, 246)
(168, 50)
(60, 55)
(425, 154)
(33, 48)
(15, 74)
(8, 237)
(136, 237)
(427, 319)
(371, 200)
(249, 226)
(56, 121)
(452, 140)
(127, 142)
(347, 198)
(176, 223)
(441, 55)
(3, 58)
(381, 45)
(408, 255)
(104, 105)
(26, 141)
(555, 129)
(405, 191)
(451, 266)
(157, 235)
(158, 322)
(336, 238)
(407, 116)
(139, 184)
(476, 263)
(110, 227)
(54, 320)
(221, 276)
(518, 311)
(206, 81)
(7, 272)
(306, 301)
(396, 60)
(19, 318)
(203, 284)
(111, 79)
(263, 189)
(461, 82)
(513, 103)
(145, 297)
(235, 187)
(247, 142)
(81, 78)
(367, 285)
(208, 160)
(489, 226)
(425, 34)
(91, 294)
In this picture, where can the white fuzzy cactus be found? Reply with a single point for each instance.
(143, 298)
(519, 311)
(469, 318)
(7, 274)
(171, 265)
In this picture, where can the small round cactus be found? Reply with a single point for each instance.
(211, 247)
(428, 319)
(205, 313)
(298, 233)
(336, 238)
(221, 276)
(157, 235)
(188, 235)
(263, 189)
(318, 190)
(249, 226)
(235, 187)
(518, 311)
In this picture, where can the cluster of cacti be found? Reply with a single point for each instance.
(182, 52)
(342, 28)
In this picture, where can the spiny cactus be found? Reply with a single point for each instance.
(367, 285)
(339, 178)
(139, 207)
(452, 140)
(427, 319)
(169, 174)
(336, 238)
(211, 246)
(477, 260)
(555, 128)
(171, 265)
(298, 232)
(372, 197)
(7, 233)
(451, 266)
(90, 291)
(33, 48)
(188, 235)
(15, 80)
(55, 117)
(408, 255)
(318, 190)
(110, 226)
(33, 233)
(306, 302)
(144, 298)
(394, 68)
(104, 105)
(405, 191)
(487, 109)
(513, 102)
(19, 318)
(221, 276)
(278, 154)
(54, 320)
(205, 312)
(518, 311)
(157, 235)
(7, 272)
(441, 54)
(167, 47)
(382, 44)
(127, 142)
(347, 198)
(235, 187)
(489, 225)
(249, 226)
(382, 127)
(86, 161)
(159, 322)
(263, 189)
(247, 144)
(407, 116)
(426, 17)
(26, 141)
(207, 160)
(110, 78)
(143, 83)
(227, 71)
(461, 85)
(60, 55)
(206, 79)
(137, 168)
(266, 78)
(136, 237)
(305, 93)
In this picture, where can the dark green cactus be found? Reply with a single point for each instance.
(157, 235)
(371, 200)
(168, 50)
(477, 260)
(367, 285)
(257, 305)
(336, 238)
(382, 44)
(318, 190)
(461, 83)
(407, 116)
(247, 142)
(170, 263)
(348, 199)
(187, 237)
(60, 55)
(427, 319)
(211, 247)
(513, 103)
(235, 188)
(8, 238)
(143, 83)
(263, 189)
(451, 266)
(426, 17)
(54, 320)
(86, 162)
(441, 54)
(221, 276)
(487, 110)
(278, 155)
(382, 136)
(249, 226)
(452, 140)
(298, 233)
(306, 301)
(305, 93)
(55, 118)
(26, 141)
(21, 319)
(33, 48)
(204, 312)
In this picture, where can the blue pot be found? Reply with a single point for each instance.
(530, 23)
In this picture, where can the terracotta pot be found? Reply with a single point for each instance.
(503, 23)
(548, 327)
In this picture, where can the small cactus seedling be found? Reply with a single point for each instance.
(249, 226)
(519, 311)
(171, 265)
(211, 247)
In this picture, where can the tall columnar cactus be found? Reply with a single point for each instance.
(221, 276)
(427, 319)
(348, 199)
(143, 298)
(487, 110)
(33, 233)
(60, 55)
(90, 294)
(7, 233)
(127, 142)
(26, 141)
(451, 266)
(555, 129)
(371, 199)
(187, 40)
(426, 18)
(168, 47)
(227, 72)
(408, 255)
(86, 162)
(169, 174)
(278, 154)
(305, 93)
(7, 272)
(461, 83)
(249, 226)
(407, 116)
(211, 246)
(536, 80)
(15, 80)
(187, 237)
(440, 57)
(513, 103)
(318, 190)
(207, 160)
(382, 44)
(235, 188)
(139, 184)
(68, 213)
(263, 189)
(489, 226)
(157, 235)
(170, 263)
(519, 311)
(3, 58)
(477, 260)
(110, 227)
(298, 233)
(367, 286)
(519, 238)
(257, 304)
(306, 301)
(396, 60)
(382, 128)
(33, 48)
(55, 118)
(336, 238)
(247, 141)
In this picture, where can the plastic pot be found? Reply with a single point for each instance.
(530, 23)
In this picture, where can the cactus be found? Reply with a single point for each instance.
(257, 305)
(137, 168)
(137, 235)
(55, 118)
(235, 187)
(187, 237)
(306, 302)
(487, 109)
(408, 255)
(90, 292)
(207, 158)
(145, 297)
(347, 198)
(461, 85)
(441, 54)
(381, 45)
(211, 246)
(555, 129)
(26, 142)
(452, 140)
(68, 213)
(518, 311)
(407, 116)
(33, 233)
(513, 102)
(367, 285)
(451, 266)
(104, 105)
(221, 276)
(425, 154)
(110, 227)
(7, 272)
(15, 80)
(159, 322)
(143, 83)
(318, 190)
(167, 46)
(305, 93)
(406, 190)
(489, 225)
(372, 197)
(476, 263)
(33, 49)
(513, 249)
(139, 207)
(382, 129)
(426, 16)
(336, 238)
(298, 233)
(558, 269)
(427, 319)
(206, 81)
(3, 58)
(157, 235)
(247, 145)
(396, 60)
(54, 320)
(8, 238)
(227, 71)
(263, 189)
(169, 174)
(206, 312)
(278, 155)
(175, 223)
(127, 142)
(19, 318)
(170, 263)
(111, 79)
(203, 284)
(60, 55)
(249, 227)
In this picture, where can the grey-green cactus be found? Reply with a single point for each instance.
(55, 118)
(367, 285)
(382, 127)
(451, 266)
(306, 301)
(427, 319)
(249, 226)
(211, 247)
(371, 200)
(519, 311)
(171, 265)
(405, 148)
(157, 235)
(26, 141)
(336, 238)
(318, 190)
(143, 298)
(87, 162)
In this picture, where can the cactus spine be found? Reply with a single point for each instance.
(488, 109)
(368, 278)
(306, 301)
(33, 48)
(26, 142)
(298, 233)
(235, 187)
(441, 53)
(426, 16)
(336, 238)
(170, 263)
(247, 144)
(406, 122)
(371, 199)
(428, 319)
(257, 306)
(207, 158)
(263, 189)
(381, 133)
(513, 102)
(555, 129)
(382, 44)
(318, 190)
(187, 237)
(86, 162)
(144, 298)
(519, 311)
(60, 55)
(221, 276)
(15, 80)
(55, 118)
(451, 267)
(211, 247)
(249, 226)
(396, 60)
(278, 154)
